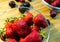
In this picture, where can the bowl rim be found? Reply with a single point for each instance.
(50, 5)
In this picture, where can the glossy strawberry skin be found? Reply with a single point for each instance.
(47, 0)
(29, 18)
(10, 32)
(34, 36)
(11, 40)
(40, 21)
(8, 25)
(22, 40)
(21, 28)
(56, 3)
(36, 28)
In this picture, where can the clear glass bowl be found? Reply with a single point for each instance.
(47, 34)
(51, 7)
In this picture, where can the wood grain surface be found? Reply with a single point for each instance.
(6, 11)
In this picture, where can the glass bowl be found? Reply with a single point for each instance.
(47, 34)
(51, 7)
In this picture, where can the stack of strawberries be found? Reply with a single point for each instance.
(55, 3)
(25, 29)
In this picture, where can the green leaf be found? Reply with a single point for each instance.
(7, 20)
(22, 15)
(11, 19)
(2, 32)
(43, 33)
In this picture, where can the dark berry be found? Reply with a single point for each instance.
(52, 13)
(12, 4)
(17, 0)
(30, 0)
(48, 21)
(23, 9)
(22, 1)
(26, 4)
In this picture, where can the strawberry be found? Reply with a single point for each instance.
(47, 0)
(34, 36)
(29, 18)
(22, 40)
(10, 32)
(8, 25)
(21, 28)
(36, 28)
(40, 21)
(56, 3)
(11, 40)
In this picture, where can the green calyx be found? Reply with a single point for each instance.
(11, 19)
(22, 15)
(43, 34)
(2, 32)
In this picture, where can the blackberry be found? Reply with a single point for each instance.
(26, 4)
(52, 13)
(23, 9)
(12, 4)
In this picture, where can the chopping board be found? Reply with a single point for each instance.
(6, 11)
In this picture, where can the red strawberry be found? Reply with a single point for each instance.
(47, 0)
(11, 34)
(40, 21)
(56, 3)
(22, 40)
(34, 36)
(29, 18)
(21, 28)
(8, 25)
(11, 40)
(10, 31)
(50, 1)
(35, 28)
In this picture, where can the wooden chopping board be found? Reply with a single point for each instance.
(6, 11)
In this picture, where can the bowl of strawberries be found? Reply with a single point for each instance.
(26, 29)
(53, 4)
